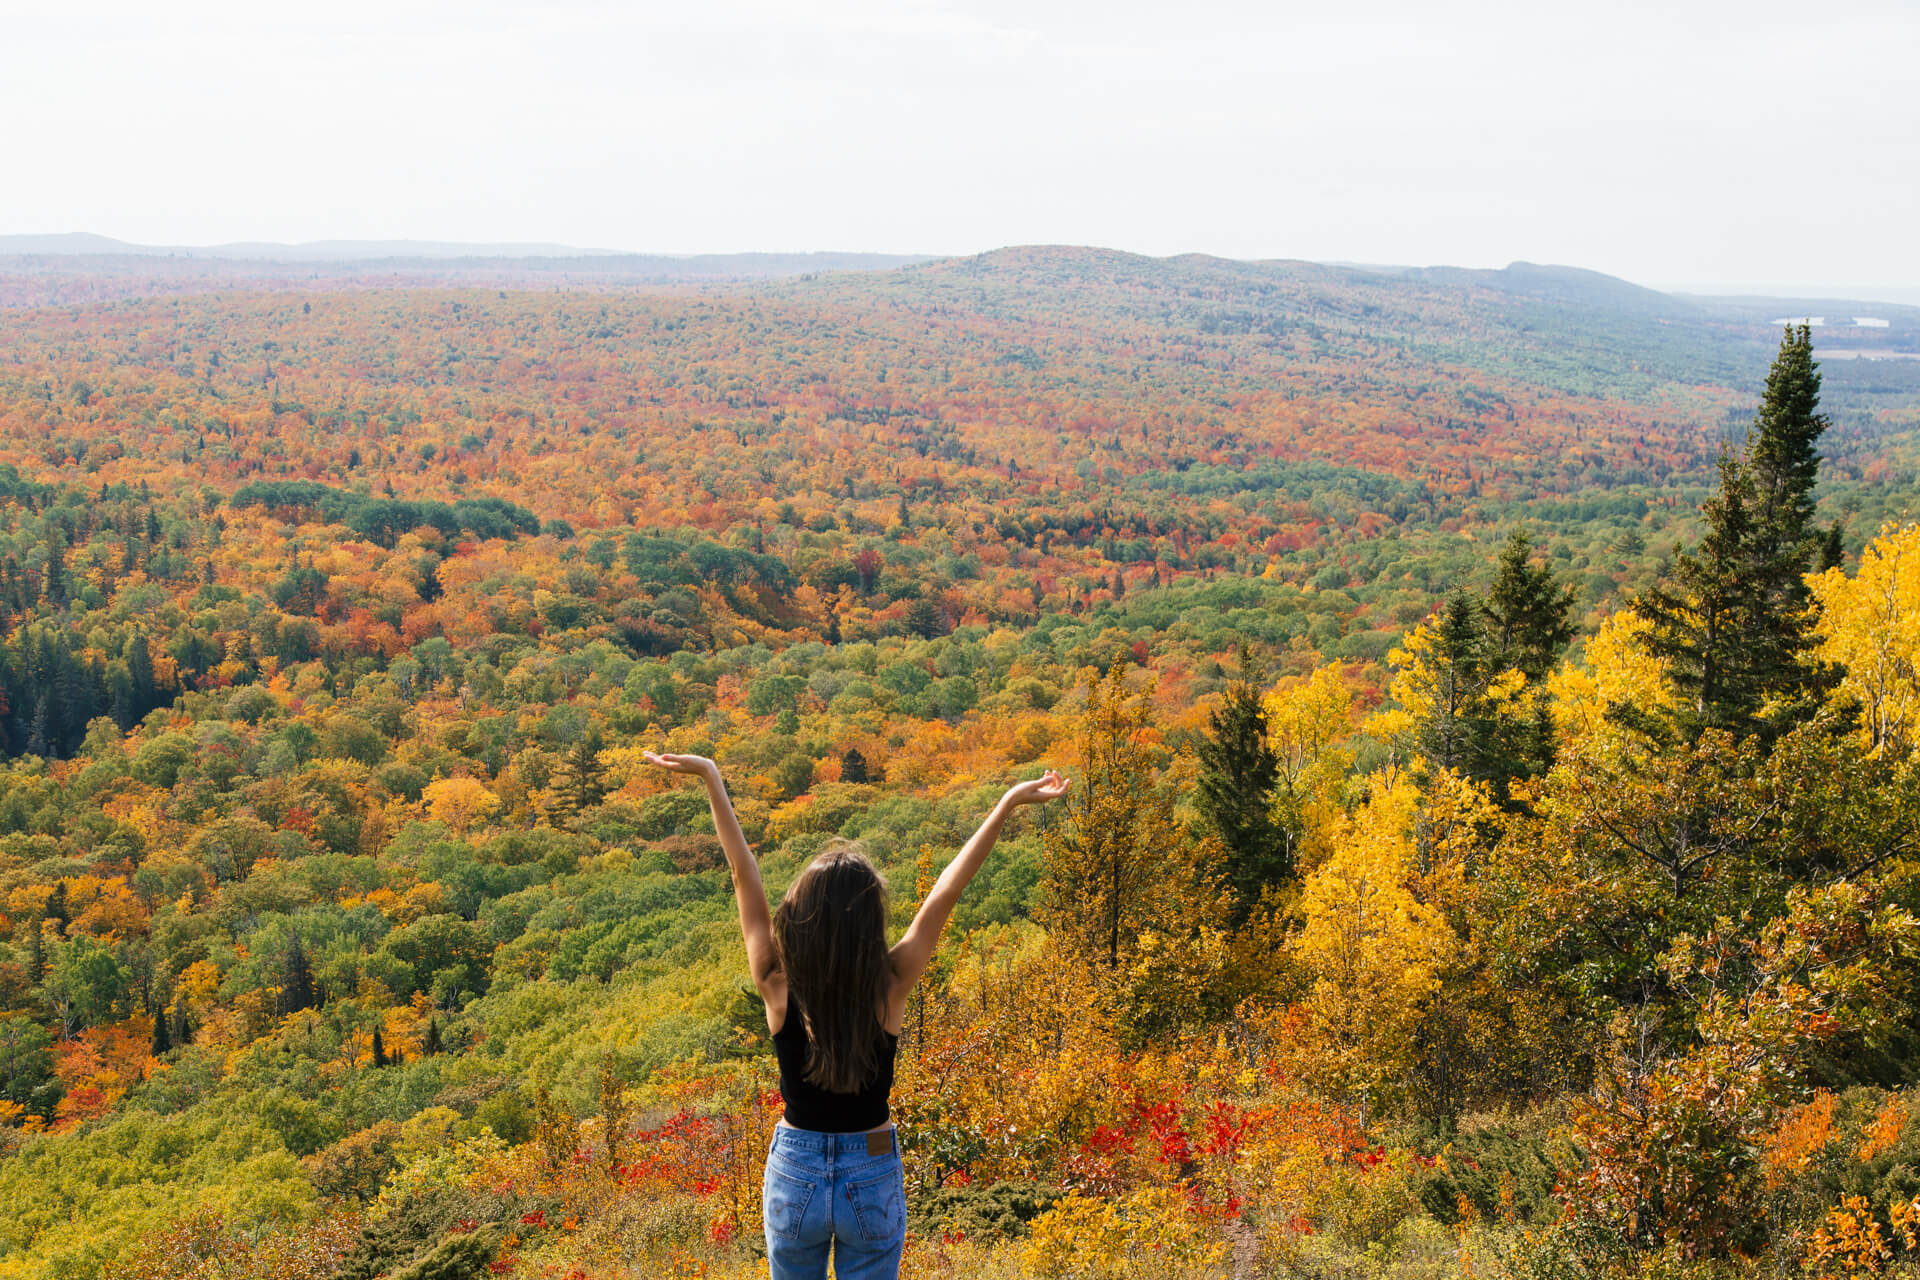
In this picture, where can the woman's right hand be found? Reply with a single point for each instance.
(1050, 785)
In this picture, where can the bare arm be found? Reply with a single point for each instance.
(914, 952)
(756, 921)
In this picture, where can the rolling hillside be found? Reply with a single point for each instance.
(345, 932)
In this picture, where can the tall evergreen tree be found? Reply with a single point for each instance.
(581, 780)
(1238, 772)
(853, 766)
(296, 985)
(1783, 463)
(1732, 619)
(1529, 612)
(39, 733)
(379, 1049)
(162, 1039)
(140, 672)
(1455, 734)
(53, 583)
(1702, 611)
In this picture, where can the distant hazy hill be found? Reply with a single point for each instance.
(86, 243)
(708, 266)
(1574, 285)
(1562, 327)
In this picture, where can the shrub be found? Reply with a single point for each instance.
(998, 1211)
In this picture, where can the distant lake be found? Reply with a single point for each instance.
(1815, 322)
(1826, 353)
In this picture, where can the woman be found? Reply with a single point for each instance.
(836, 999)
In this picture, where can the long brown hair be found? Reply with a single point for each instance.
(831, 932)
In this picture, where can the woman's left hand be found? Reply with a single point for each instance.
(700, 766)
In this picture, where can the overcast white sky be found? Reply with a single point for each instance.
(1687, 143)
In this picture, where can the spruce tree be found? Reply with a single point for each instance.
(140, 672)
(1118, 863)
(1733, 619)
(923, 619)
(1529, 612)
(581, 780)
(1456, 734)
(162, 1040)
(296, 984)
(853, 766)
(1529, 625)
(1702, 612)
(53, 582)
(1784, 466)
(39, 733)
(1783, 463)
(1238, 773)
(379, 1049)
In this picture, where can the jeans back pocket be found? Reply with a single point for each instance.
(880, 1206)
(784, 1200)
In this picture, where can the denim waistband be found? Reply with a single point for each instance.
(834, 1144)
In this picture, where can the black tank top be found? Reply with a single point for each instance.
(821, 1110)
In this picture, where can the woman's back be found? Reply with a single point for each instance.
(822, 1110)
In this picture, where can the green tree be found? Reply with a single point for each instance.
(1528, 611)
(1784, 465)
(1704, 610)
(923, 619)
(162, 1037)
(853, 766)
(1119, 864)
(86, 984)
(1466, 712)
(580, 782)
(26, 1057)
(1529, 625)
(1238, 773)
(296, 981)
(1733, 619)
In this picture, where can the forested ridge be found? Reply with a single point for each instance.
(1491, 698)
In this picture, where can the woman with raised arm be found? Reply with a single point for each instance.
(836, 1001)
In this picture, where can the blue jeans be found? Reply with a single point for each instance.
(830, 1191)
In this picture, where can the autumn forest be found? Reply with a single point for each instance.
(1491, 698)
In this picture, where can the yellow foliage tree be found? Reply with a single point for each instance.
(461, 803)
(1870, 625)
(1306, 722)
(1372, 948)
(1620, 671)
